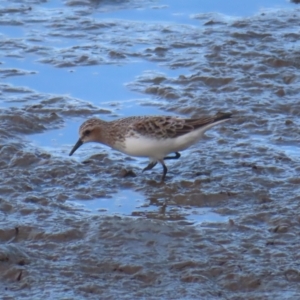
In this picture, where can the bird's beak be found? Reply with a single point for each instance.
(77, 145)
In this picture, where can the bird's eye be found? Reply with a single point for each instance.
(87, 132)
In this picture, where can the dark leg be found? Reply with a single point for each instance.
(177, 155)
(150, 166)
(165, 170)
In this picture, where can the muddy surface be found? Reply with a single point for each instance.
(226, 223)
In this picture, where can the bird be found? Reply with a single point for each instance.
(155, 137)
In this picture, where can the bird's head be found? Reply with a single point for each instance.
(89, 131)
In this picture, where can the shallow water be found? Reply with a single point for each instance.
(225, 223)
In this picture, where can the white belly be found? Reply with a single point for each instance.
(159, 148)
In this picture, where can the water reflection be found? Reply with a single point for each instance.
(128, 202)
(123, 202)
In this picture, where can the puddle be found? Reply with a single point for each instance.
(230, 8)
(291, 150)
(95, 84)
(205, 215)
(181, 11)
(126, 202)
(12, 31)
(58, 141)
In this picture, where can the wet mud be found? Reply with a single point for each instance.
(224, 225)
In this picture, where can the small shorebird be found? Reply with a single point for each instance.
(148, 136)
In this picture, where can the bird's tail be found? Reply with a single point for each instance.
(221, 116)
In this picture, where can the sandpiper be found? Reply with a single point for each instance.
(148, 136)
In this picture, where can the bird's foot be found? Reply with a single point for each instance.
(150, 166)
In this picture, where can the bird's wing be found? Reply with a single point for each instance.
(168, 126)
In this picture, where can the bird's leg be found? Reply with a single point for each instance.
(165, 170)
(177, 155)
(151, 165)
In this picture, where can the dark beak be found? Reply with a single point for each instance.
(77, 145)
